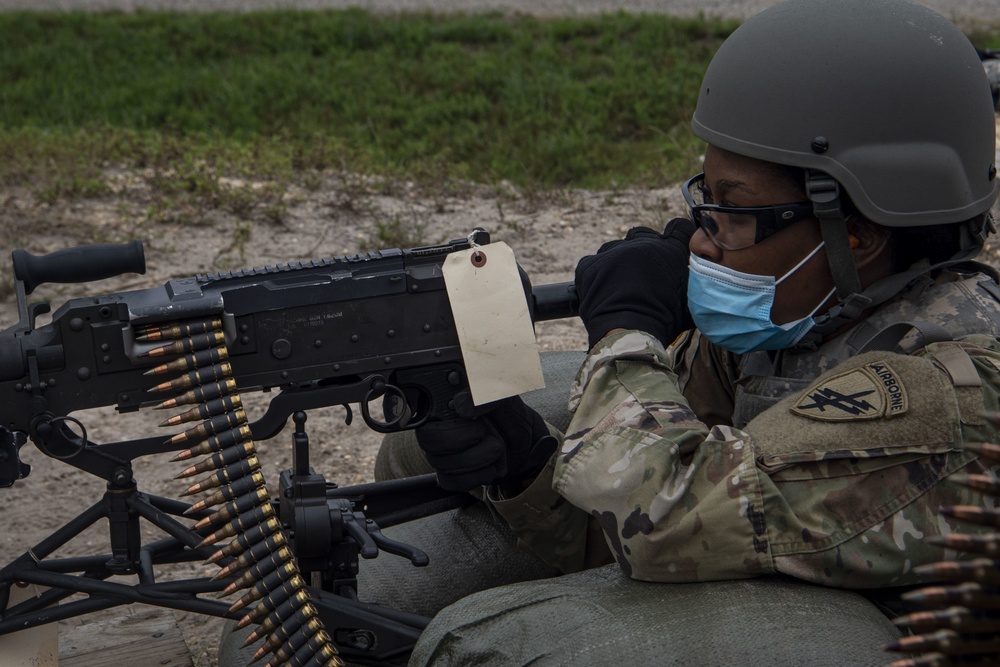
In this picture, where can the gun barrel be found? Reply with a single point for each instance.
(554, 301)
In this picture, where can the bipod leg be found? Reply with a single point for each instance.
(64, 577)
(25, 566)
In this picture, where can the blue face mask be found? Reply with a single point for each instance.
(733, 309)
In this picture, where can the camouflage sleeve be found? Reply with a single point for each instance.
(677, 501)
(706, 375)
(557, 532)
(839, 484)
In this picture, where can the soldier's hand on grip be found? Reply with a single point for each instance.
(501, 442)
(639, 282)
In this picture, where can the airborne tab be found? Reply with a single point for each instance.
(872, 391)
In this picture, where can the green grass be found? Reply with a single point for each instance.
(596, 102)
(600, 101)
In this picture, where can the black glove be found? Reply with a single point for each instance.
(501, 442)
(639, 282)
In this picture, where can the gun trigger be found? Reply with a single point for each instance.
(398, 412)
(398, 407)
(350, 414)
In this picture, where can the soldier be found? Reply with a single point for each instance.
(841, 204)
(784, 383)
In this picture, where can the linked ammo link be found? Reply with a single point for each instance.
(962, 622)
(265, 564)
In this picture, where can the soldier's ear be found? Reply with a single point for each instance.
(869, 242)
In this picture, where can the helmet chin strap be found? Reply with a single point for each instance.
(824, 192)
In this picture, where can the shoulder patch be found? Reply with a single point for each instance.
(872, 391)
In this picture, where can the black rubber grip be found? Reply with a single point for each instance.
(78, 265)
(555, 301)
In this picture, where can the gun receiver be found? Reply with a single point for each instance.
(350, 329)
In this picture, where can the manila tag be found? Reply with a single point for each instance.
(493, 324)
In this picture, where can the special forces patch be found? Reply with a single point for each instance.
(872, 391)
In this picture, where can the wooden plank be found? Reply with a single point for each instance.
(35, 647)
(146, 637)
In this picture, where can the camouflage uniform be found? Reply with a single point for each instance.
(829, 465)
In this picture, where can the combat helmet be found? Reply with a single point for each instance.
(883, 100)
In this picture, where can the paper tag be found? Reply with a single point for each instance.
(494, 326)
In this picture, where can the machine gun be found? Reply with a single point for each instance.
(373, 328)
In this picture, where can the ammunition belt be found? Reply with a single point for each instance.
(961, 624)
(260, 557)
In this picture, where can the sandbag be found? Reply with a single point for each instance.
(599, 617)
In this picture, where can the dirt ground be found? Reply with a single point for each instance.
(335, 215)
